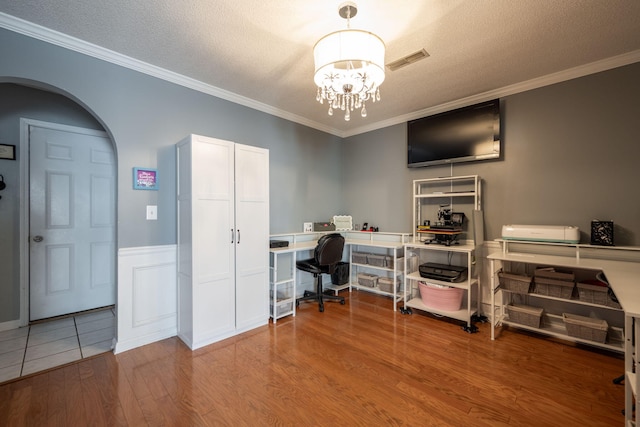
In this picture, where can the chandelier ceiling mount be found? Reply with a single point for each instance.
(349, 67)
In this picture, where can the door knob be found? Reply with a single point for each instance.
(38, 238)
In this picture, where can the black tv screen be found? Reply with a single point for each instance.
(462, 135)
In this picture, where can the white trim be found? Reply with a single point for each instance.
(538, 82)
(25, 123)
(7, 326)
(35, 31)
(153, 317)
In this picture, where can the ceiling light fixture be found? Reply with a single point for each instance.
(349, 67)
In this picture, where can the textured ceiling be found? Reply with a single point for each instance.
(261, 50)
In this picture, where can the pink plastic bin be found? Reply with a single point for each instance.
(446, 299)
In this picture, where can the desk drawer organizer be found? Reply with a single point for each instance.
(517, 283)
(441, 297)
(525, 315)
(368, 280)
(554, 283)
(586, 328)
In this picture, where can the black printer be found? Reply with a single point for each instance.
(443, 272)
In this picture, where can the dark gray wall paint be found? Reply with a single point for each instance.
(570, 155)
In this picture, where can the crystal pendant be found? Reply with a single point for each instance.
(364, 111)
(330, 112)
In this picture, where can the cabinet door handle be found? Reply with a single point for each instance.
(238, 236)
(232, 236)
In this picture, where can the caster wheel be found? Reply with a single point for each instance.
(321, 308)
(342, 302)
(297, 303)
(481, 319)
(406, 311)
(470, 329)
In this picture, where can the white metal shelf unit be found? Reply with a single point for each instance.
(445, 191)
(552, 323)
(283, 282)
(471, 301)
(389, 245)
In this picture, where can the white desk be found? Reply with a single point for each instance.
(624, 279)
(284, 279)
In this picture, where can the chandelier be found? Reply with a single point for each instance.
(349, 67)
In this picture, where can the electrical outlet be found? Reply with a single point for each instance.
(152, 212)
(307, 227)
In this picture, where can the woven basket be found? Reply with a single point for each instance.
(517, 283)
(586, 328)
(525, 315)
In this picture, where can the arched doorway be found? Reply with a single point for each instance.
(21, 105)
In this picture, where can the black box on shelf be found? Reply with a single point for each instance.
(602, 233)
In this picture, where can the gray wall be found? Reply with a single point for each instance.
(570, 151)
(571, 154)
(145, 117)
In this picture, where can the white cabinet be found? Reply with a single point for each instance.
(458, 255)
(223, 239)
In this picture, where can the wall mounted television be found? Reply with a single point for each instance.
(462, 135)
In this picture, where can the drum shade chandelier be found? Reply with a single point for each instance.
(349, 67)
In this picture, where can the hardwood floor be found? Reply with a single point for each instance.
(357, 364)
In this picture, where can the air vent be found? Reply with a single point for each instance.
(409, 59)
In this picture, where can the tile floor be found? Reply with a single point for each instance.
(45, 345)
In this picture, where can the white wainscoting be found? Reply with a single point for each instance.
(147, 286)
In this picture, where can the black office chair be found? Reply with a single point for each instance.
(327, 254)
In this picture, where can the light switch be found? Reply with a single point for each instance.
(152, 212)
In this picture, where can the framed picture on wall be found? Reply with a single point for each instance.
(7, 152)
(145, 179)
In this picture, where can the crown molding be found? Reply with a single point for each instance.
(39, 32)
(538, 82)
(57, 38)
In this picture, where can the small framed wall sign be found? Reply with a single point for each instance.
(145, 179)
(7, 152)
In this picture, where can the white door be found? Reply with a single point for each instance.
(72, 221)
(213, 237)
(252, 229)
